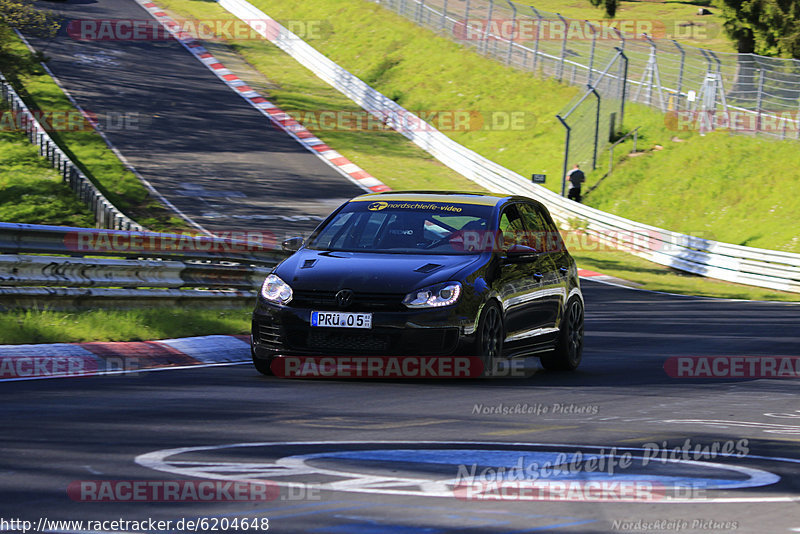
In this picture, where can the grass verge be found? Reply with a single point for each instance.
(656, 277)
(32, 326)
(31, 191)
(84, 146)
(669, 19)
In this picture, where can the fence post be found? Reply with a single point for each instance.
(566, 157)
(680, 73)
(759, 98)
(591, 54)
(797, 124)
(536, 44)
(487, 27)
(596, 128)
(563, 48)
(443, 23)
(621, 38)
(420, 10)
(624, 82)
(513, 31)
(466, 13)
(720, 82)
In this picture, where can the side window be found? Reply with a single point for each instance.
(512, 227)
(543, 236)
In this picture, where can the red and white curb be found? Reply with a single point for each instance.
(63, 360)
(282, 120)
(583, 273)
(607, 279)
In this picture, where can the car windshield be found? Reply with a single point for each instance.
(403, 227)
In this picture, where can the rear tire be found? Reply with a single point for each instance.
(490, 337)
(569, 348)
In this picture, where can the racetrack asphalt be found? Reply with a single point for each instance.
(203, 147)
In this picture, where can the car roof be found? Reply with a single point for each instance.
(460, 197)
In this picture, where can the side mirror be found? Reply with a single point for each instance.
(520, 254)
(292, 244)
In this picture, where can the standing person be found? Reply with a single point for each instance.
(576, 178)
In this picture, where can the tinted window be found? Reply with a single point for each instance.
(542, 235)
(398, 227)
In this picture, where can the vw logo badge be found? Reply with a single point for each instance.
(344, 298)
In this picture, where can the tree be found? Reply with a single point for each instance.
(22, 15)
(609, 5)
(765, 27)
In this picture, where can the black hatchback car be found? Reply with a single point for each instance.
(425, 274)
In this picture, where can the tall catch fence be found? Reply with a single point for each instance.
(592, 119)
(695, 88)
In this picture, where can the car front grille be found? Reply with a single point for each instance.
(412, 342)
(269, 334)
(348, 341)
(326, 300)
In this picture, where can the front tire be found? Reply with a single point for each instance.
(569, 348)
(490, 337)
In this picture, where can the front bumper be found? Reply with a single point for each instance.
(278, 330)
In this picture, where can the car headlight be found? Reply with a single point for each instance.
(434, 296)
(276, 290)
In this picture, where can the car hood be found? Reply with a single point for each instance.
(369, 272)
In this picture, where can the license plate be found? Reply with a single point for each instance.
(341, 319)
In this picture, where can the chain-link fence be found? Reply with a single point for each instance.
(593, 118)
(695, 88)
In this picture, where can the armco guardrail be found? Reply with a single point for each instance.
(106, 214)
(745, 265)
(134, 267)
